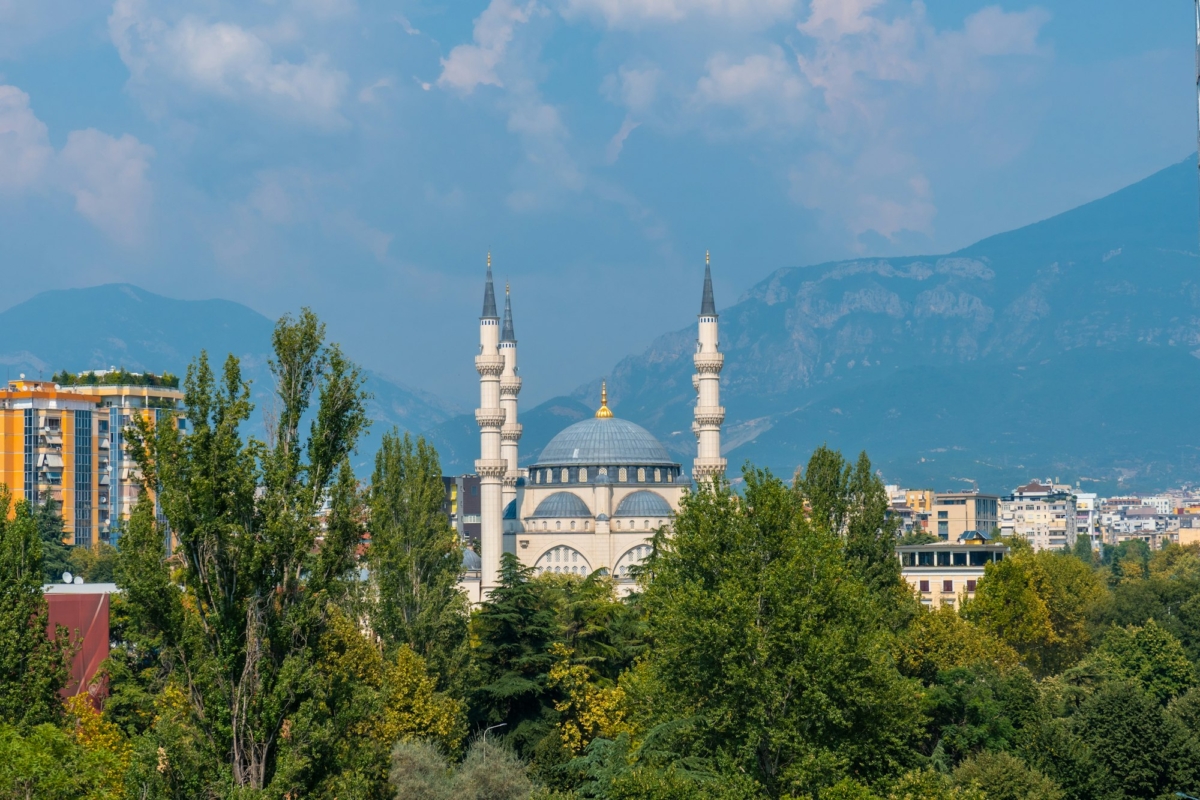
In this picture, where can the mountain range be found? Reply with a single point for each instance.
(1067, 349)
(124, 326)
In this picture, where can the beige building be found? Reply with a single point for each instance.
(946, 573)
(1043, 514)
(957, 513)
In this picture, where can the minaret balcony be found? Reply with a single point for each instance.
(708, 362)
(489, 364)
(495, 468)
(511, 432)
(709, 415)
(510, 385)
(490, 417)
(696, 381)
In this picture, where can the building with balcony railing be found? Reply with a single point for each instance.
(946, 573)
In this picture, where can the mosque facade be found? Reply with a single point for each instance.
(601, 488)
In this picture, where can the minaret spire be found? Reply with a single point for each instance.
(506, 331)
(489, 293)
(709, 414)
(604, 412)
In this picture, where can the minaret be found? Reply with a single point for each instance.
(491, 467)
(510, 387)
(709, 413)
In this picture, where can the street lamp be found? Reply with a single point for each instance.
(1186, 796)
(502, 724)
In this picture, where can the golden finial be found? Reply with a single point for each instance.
(506, 287)
(706, 258)
(489, 259)
(604, 412)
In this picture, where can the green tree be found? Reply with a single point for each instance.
(47, 763)
(940, 639)
(55, 554)
(415, 559)
(33, 667)
(1039, 604)
(254, 588)
(1151, 656)
(770, 656)
(489, 772)
(515, 629)
(94, 564)
(1083, 549)
(977, 708)
(1002, 776)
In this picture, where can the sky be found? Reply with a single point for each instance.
(362, 157)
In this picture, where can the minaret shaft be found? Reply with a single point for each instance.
(709, 414)
(491, 466)
(510, 388)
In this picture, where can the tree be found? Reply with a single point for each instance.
(47, 763)
(770, 656)
(1039, 604)
(415, 559)
(1150, 656)
(33, 666)
(977, 708)
(940, 639)
(94, 564)
(1002, 776)
(256, 588)
(55, 554)
(489, 772)
(515, 629)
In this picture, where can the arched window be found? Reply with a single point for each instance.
(572, 524)
(549, 476)
(602, 471)
(545, 525)
(585, 525)
(583, 474)
(641, 474)
(537, 476)
(558, 525)
(566, 475)
(617, 524)
(622, 475)
(657, 475)
(647, 525)
(670, 477)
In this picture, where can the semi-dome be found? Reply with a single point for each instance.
(603, 441)
(562, 504)
(644, 504)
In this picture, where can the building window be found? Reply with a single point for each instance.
(572, 524)
(960, 559)
(924, 586)
(586, 525)
(943, 515)
(943, 559)
(583, 474)
(943, 530)
(549, 476)
(566, 475)
(617, 524)
(558, 525)
(670, 478)
(970, 585)
(657, 475)
(622, 475)
(947, 586)
(602, 471)
(641, 474)
(537, 477)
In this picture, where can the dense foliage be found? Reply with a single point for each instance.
(116, 377)
(307, 638)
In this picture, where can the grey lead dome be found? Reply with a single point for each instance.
(603, 442)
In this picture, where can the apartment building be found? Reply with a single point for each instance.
(463, 507)
(1087, 517)
(946, 573)
(958, 513)
(1043, 513)
(64, 439)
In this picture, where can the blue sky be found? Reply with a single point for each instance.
(361, 157)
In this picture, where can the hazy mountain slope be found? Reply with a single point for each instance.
(1106, 295)
(122, 325)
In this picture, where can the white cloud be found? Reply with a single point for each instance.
(636, 88)
(471, 65)
(107, 176)
(25, 149)
(625, 13)
(767, 87)
(617, 142)
(224, 60)
(992, 31)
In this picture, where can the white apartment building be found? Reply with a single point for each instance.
(1087, 517)
(1043, 514)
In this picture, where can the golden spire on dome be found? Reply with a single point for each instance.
(489, 258)
(604, 412)
(706, 258)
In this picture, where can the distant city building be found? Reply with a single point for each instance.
(66, 442)
(956, 513)
(1160, 503)
(946, 573)
(1044, 514)
(1087, 517)
(462, 508)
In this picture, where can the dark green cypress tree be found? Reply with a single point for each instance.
(56, 556)
(515, 629)
(32, 666)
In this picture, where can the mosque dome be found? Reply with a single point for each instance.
(605, 440)
(644, 504)
(562, 504)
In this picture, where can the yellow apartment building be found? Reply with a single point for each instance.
(946, 573)
(957, 513)
(64, 439)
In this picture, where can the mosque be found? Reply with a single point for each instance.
(601, 487)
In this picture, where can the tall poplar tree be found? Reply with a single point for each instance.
(415, 559)
(33, 667)
(256, 587)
